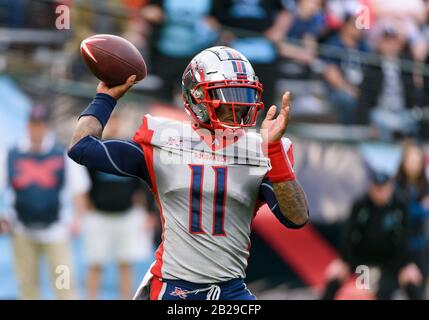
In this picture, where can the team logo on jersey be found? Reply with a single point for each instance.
(174, 142)
(179, 292)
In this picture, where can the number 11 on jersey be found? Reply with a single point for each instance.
(196, 203)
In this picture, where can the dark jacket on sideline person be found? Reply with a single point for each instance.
(377, 235)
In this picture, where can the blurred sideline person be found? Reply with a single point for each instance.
(93, 18)
(114, 228)
(376, 235)
(413, 185)
(343, 73)
(40, 179)
(257, 26)
(388, 91)
(181, 29)
(305, 25)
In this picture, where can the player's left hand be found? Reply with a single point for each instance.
(276, 127)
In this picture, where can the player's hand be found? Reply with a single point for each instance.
(118, 91)
(272, 128)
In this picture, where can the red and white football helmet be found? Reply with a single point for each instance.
(221, 77)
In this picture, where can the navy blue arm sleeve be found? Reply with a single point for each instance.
(267, 195)
(119, 157)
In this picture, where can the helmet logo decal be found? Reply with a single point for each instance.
(240, 69)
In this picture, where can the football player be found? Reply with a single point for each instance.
(209, 176)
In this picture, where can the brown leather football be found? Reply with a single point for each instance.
(112, 59)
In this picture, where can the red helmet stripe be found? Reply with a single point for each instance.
(235, 55)
(239, 67)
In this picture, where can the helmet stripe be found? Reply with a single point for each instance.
(234, 65)
(243, 65)
(239, 67)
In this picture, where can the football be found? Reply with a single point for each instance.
(112, 59)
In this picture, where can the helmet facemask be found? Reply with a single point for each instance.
(228, 103)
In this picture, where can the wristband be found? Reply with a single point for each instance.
(281, 168)
(101, 108)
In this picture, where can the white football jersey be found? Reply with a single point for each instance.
(207, 195)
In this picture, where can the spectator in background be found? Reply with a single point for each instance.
(409, 18)
(376, 235)
(28, 14)
(307, 20)
(114, 230)
(256, 26)
(137, 30)
(388, 91)
(40, 177)
(13, 13)
(98, 16)
(41, 15)
(412, 10)
(337, 11)
(414, 186)
(305, 23)
(343, 73)
(108, 16)
(426, 73)
(182, 28)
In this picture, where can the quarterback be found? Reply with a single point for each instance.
(209, 176)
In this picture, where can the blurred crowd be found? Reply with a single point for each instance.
(370, 56)
(387, 232)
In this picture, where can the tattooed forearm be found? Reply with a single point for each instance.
(86, 126)
(292, 201)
